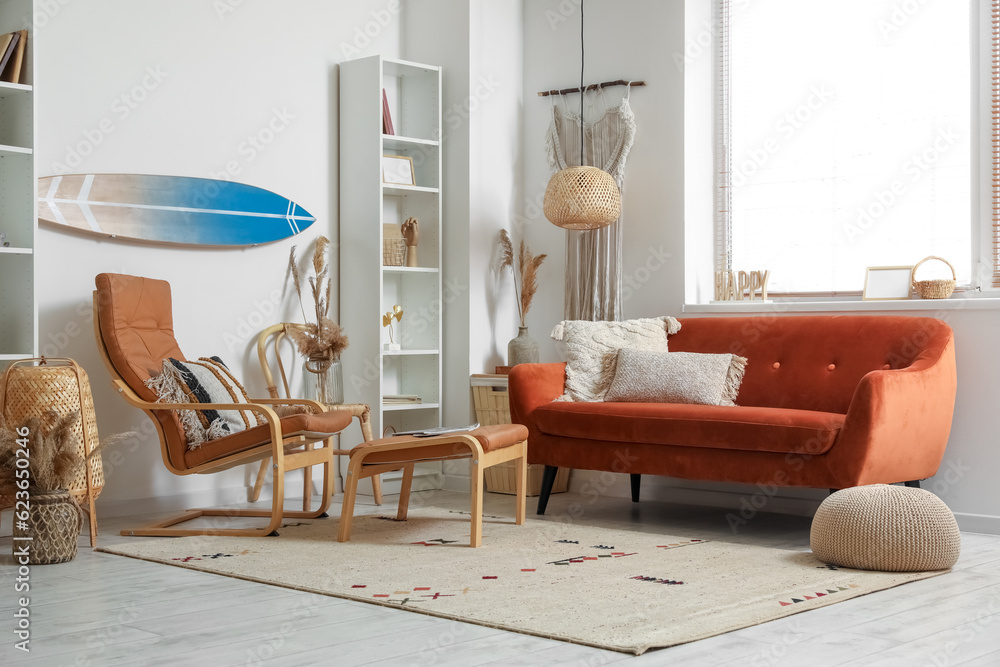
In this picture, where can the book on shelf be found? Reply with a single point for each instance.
(386, 116)
(14, 73)
(400, 399)
(8, 44)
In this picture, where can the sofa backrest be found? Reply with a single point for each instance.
(813, 362)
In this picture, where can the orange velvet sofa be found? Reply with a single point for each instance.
(826, 402)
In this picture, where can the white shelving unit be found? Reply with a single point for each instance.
(369, 289)
(18, 207)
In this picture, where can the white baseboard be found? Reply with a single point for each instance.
(978, 523)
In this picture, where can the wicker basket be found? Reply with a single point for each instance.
(939, 288)
(492, 400)
(28, 390)
(393, 246)
(52, 528)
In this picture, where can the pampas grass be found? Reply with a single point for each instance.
(322, 339)
(54, 459)
(525, 268)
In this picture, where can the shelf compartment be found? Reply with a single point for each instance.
(411, 374)
(17, 326)
(418, 295)
(414, 98)
(397, 206)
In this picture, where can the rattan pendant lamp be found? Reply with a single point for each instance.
(581, 198)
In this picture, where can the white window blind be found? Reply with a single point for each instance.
(843, 139)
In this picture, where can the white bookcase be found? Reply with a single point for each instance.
(18, 212)
(367, 288)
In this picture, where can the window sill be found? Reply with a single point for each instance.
(842, 306)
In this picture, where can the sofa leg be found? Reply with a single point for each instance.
(635, 478)
(548, 479)
(913, 484)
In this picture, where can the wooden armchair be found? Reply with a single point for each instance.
(133, 325)
(272, 337)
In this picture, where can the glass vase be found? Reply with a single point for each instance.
(324, 380)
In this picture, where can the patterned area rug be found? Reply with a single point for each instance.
(613, 589)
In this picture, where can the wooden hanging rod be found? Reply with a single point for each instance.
(593, 86)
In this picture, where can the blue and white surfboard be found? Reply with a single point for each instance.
(169, 209)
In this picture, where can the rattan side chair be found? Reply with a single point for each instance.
(272, 337)
(133, 326)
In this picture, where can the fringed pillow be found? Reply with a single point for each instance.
(207, 380)
(592, 348)
(676, 377)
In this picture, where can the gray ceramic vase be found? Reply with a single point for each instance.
(523, 349)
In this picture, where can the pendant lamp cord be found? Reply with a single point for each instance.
(582, 90)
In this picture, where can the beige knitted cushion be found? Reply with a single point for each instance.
(888, 528)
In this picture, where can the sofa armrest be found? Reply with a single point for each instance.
(531, 386)
(899, 421)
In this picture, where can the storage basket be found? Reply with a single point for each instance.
(492, 401)
(393, 246)
(51, 529)
(939, 288)
(29, 390)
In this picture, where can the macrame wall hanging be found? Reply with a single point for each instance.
(585, 199)
(593, 257)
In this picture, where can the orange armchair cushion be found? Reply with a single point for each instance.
(326, 423)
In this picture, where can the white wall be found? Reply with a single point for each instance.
(226, 71)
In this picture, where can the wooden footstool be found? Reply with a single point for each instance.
(485, 446)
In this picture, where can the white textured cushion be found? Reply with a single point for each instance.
(592, 347)
(676, 377)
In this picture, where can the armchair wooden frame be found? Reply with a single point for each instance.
(276, 333)
(408, 450)
(287, 453)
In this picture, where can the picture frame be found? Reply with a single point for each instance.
(888, 283)
(398, 170)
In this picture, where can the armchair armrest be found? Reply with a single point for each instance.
(531, 386)
(899, 421)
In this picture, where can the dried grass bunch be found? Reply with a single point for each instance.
(323, 339)
(525, 267)
(54, 458)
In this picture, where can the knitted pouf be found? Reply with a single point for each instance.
(888, 528)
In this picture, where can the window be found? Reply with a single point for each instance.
(842, 138)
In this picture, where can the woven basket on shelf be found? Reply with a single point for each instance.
(53, 525)
(28, 390)
(939, 288)
(393, 246)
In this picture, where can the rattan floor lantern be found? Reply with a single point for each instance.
(581, 198)
(30, 388)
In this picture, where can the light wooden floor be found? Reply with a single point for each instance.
(107, 610)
